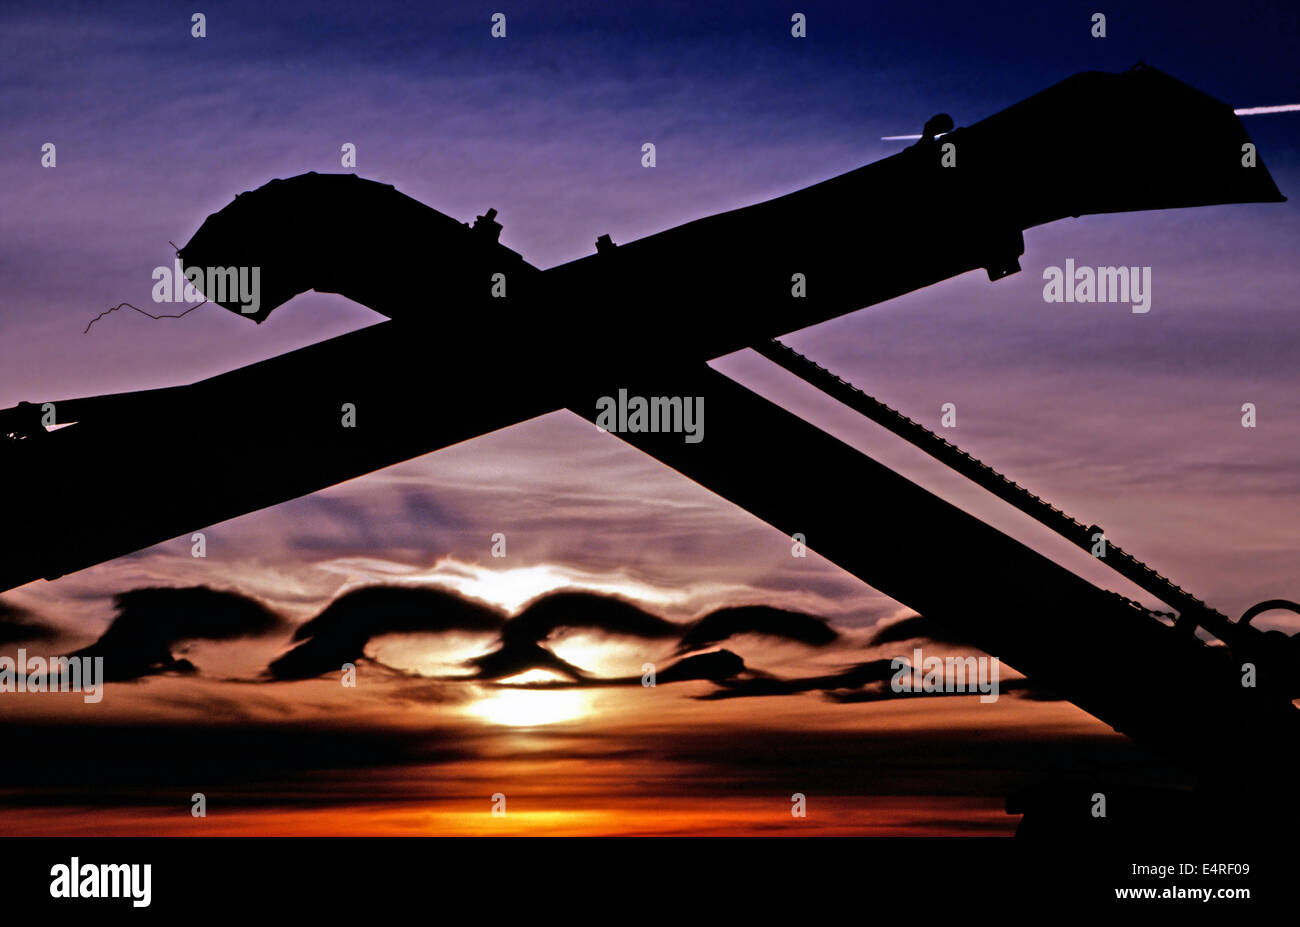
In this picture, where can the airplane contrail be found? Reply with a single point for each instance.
(1259, 110)
(1244, 111)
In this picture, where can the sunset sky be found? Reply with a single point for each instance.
(1126, 420)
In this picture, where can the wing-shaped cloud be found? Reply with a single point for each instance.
(522, 636)
(377, 610)
(585, 611)
(150, 621)
(520, 657)
(916, 627)
(717, 666)
(18, 625)
(764, 620)
(339, 634)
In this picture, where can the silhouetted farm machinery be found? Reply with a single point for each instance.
(478, 339)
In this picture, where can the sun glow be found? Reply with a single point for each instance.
(512, 588)
(606, 656)
(529, 707)
(518, 707)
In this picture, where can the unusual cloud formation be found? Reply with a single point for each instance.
(585, 611)
(914, 627)
(18, 625)
(340, 633)
(865, 682)
(151, 621)
(757, 619)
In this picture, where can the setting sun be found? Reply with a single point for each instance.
(529, 707)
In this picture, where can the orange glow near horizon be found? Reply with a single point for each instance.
(526, 816)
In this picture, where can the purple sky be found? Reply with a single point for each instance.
(1130, 421)
(1125, 420)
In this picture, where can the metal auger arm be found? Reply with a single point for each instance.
(1166, 690)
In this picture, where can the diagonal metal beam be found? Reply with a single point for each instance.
(1163, 688)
